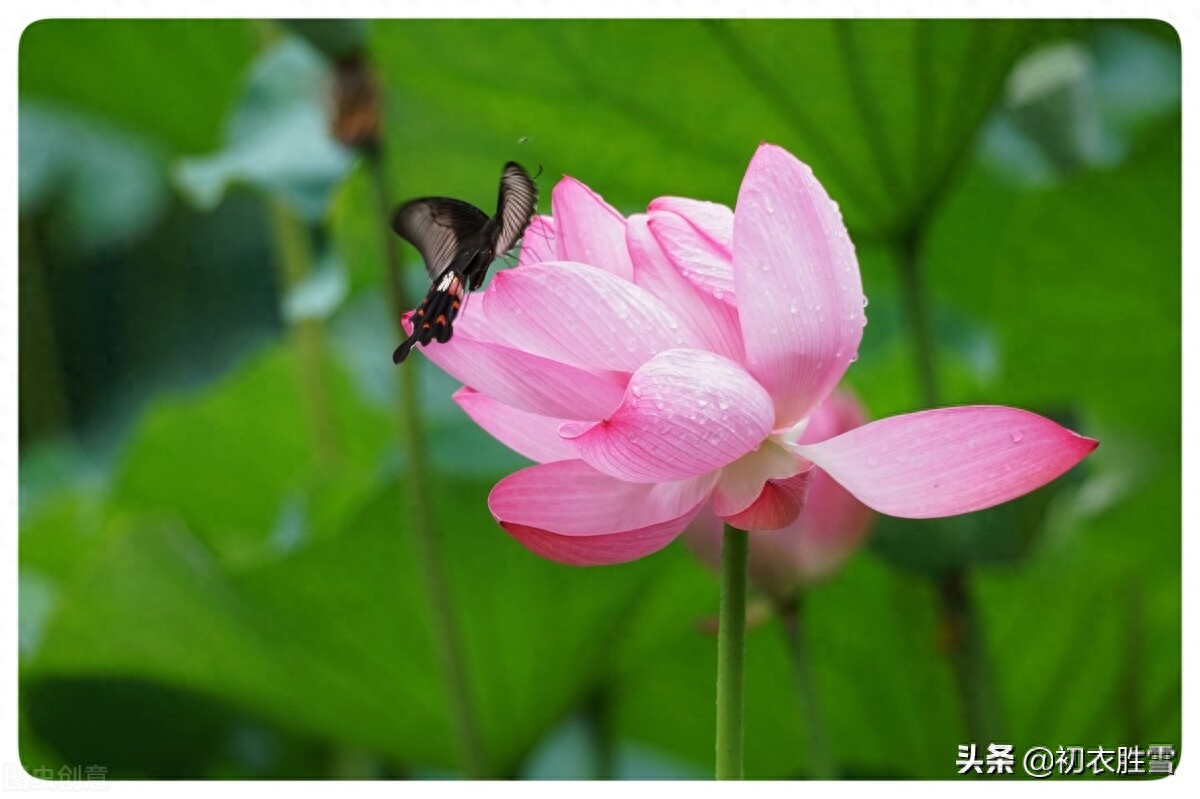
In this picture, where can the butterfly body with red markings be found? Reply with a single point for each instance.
(459, 242)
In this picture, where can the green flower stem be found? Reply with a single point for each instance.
(916, 307)
(964, 639)
(731, 656)
(451, 657)
(43, 399)
(294, 259)
(820, 758)
(967, 653)
(598, 710)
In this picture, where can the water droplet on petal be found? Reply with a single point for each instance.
(1016, 437)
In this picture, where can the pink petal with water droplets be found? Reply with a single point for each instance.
(571, 513)
(704, 261)
(540, 242)
(948, 461)
(713, 220)
(684, 413)
(526, 381)
(713, 322)
(589, 230)
(581, 315)
(529, 434)
(799, 293)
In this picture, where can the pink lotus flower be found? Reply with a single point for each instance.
(670, 362)
(830, 526)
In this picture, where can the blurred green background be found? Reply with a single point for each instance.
(217, 575)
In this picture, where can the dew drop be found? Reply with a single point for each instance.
(865, 301)
(793, 308)
(723, 404)
(1016, 437)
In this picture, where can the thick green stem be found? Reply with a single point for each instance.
(820, 757)
(451, 657)
(731, 656)
(294, 261)
(43, 407)
(1133, 664)
(917, 308)
(599, 713)
(967, 652)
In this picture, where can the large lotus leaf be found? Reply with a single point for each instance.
(882, 110)
(171, 79)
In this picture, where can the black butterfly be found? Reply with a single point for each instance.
(459, 243)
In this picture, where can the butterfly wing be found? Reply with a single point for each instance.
(514, 209)
(458, 242)
(438, 227)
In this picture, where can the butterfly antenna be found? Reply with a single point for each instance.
(539, 172)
